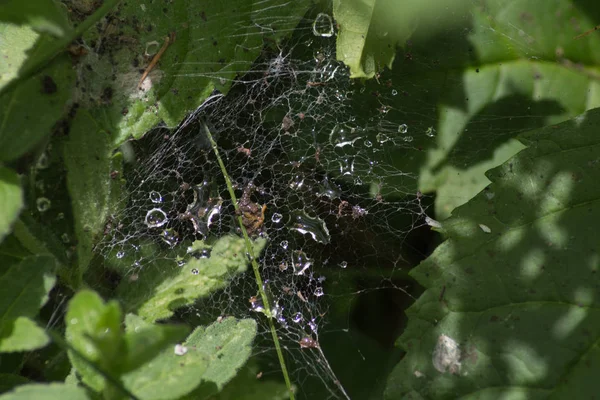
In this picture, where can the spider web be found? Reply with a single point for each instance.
(311, 172)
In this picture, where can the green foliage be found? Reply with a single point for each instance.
(513, 287)
(11, 197)
(168, 286)
(42, 15)
(26, 284)
(93, 177)
(52, 391)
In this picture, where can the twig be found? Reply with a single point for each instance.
(168, 40)
(587, 32)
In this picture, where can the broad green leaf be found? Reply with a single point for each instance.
(25, 290)
(29, 111)
(25, 335)
(10, 381)
(51, 391)
(93, 179)
(211, 354)
(371, 30)
(157, 291)
(511, 307)
(41, 15)
(144, 340)
(94, 330)
(15, 41)
(464, 90)
(210, 44)
(11, 198)
(227, 343)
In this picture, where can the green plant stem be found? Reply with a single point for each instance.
(59, 45)
(252, 256)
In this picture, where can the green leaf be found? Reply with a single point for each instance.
(25, 290)
(511, 308)
(211, 355)
(11, 198)
(15, 41)
(214, 42)
(29, 111)
(10, 381)
(371, 30)
(94, 330)
(163, 287)
(41, 15)
(227, 344)
(52, 391)
(145, 340)
(90, 162)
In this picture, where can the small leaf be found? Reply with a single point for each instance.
(510, 309)
(89, 161)
(15, 41)
(94, 329)
(41, 15)
(11, 198)
(29, 111)
(227, 344)
(25, 335)
(160, 290)
(25, 290)
(52, 391)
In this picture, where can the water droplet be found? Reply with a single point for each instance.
(300, 262)
(284, 244)
(347, 166)
(170, 237)
(430, 132)
(485, 228)
(276, 218)
(43, 204)
(403, 128)
(407, 139)
(180, 263)
(308, 342)
(329, 190)
(297, 317)
(368, 143)
(256, 304)
(195, 271)
(283, 266)
(60, 216)
(319, 292)
(323, 25)
(155, 197)
(180, 350)
(297, 182)
(43, 162)
(120, 254)
(382, 138)
(313, 226)
(344, 264)
(313, 326)
(65, 238)
(156, 218)
(394, 92)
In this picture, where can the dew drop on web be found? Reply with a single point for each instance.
(403, 128)
(195, 271)
(276, 218)
(156, 218)
(323, 25)
(319, 292)
(155, 197)
(297, 318)
(43, 204)
(315, 227)
(344, 264)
